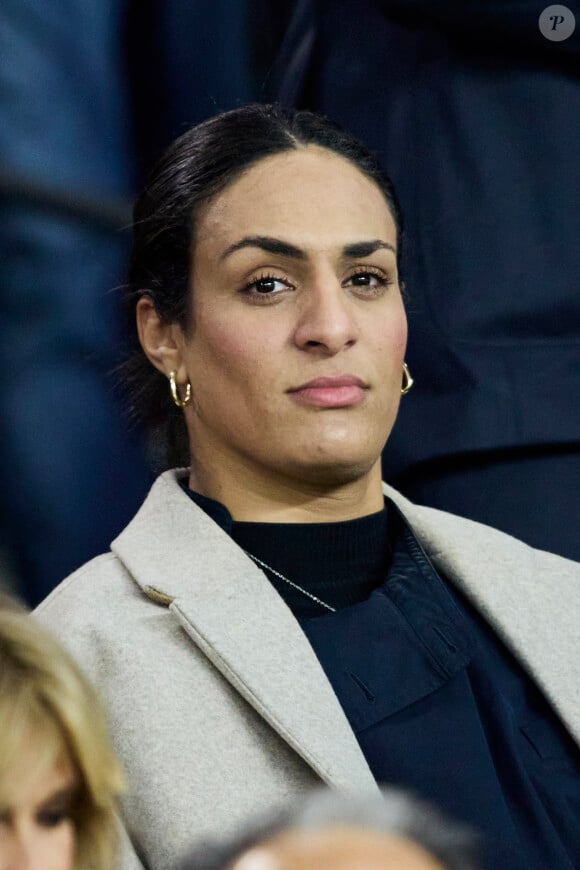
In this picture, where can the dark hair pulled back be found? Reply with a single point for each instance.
(197, 166)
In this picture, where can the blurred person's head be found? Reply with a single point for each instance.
(328, 831)
(59, 778)
(337, 849)
(265, 254)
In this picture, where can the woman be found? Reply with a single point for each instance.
(273, 616)
(58, 776)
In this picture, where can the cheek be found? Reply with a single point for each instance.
(59, 848)
(399, 339)
(234, 352)
(391, 342)
(400, 331)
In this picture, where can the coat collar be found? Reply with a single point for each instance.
(231, 611)
(530, 598)
(181, 558)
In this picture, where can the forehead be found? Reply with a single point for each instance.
(310, 196)
(37, 776)
(343, 848)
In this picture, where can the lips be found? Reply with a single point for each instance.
(340, 391)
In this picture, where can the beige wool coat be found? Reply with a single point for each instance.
(218, 705)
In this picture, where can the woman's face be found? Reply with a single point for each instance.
(298, 338)
(36, 828)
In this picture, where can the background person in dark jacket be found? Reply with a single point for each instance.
(474, 113)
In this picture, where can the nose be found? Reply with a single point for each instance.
(16, 856)
(19, 851)
(327, 323)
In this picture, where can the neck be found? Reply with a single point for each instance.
(273, 498)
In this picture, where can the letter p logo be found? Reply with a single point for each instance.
(557, 23)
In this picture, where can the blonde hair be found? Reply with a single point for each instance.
(48, 709)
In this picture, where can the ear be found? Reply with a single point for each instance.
(162, 342)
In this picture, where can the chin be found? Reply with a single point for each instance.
(333, 471)
(346, 455)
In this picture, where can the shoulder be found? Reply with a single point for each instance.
(99, 586)
(461, 544)
(91, 588)
(91, 608)
(438, 528)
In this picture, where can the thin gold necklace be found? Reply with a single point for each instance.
(290, 582)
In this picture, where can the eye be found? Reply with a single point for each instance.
(364, 279)
(269, 285)
(53, 818)
(266, 286)
(57, 811)
(369, 280)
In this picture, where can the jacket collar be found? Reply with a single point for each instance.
(230, 610)
(530, 598)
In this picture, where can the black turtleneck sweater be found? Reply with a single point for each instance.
(339, 563)
(437, 703)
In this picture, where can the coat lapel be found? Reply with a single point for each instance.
(531, 598)
(231, 611)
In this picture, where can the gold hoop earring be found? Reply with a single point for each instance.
(181, 403)
(407, 380)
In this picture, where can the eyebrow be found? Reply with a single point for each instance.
(272, 245)
(63, 795)
(365, 249)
